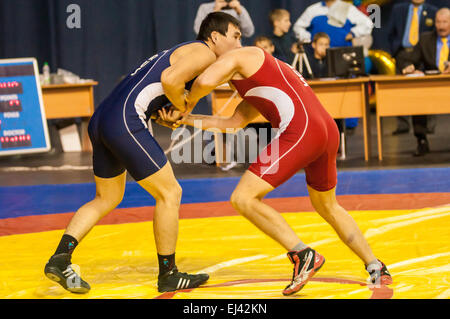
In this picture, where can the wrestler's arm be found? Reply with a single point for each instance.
(243, 115)
(174, 78)
(216, 74)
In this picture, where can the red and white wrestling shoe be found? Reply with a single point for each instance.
(306, 263)
(379, 274)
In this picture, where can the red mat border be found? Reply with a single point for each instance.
(40, 223)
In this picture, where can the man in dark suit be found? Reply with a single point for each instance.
(407, 22)
(431, 53)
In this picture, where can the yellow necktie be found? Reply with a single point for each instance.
(444, 54)
(414, 28)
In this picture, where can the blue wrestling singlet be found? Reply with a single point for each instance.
(118, 128)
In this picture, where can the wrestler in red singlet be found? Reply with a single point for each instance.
(308, 136)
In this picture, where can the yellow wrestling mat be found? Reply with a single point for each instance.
(119, 261)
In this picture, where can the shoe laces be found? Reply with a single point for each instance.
(187, 276)
(175, 271)
(293, 271)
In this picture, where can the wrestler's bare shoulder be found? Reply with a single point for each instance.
(245, 53)
(195, 50)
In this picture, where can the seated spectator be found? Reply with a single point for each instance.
(282, 37)
(265, 43)
(342, 21)
(406, 22)
(431, 53)
(317, 59)
(233, 8)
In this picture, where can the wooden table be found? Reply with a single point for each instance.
(399, 95)
(344, 98)
(69, 101)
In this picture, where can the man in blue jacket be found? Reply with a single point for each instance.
(407, 22)
(431, 53)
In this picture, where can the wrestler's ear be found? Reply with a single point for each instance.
(214, 36)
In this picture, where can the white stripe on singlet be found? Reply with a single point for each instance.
(306, 125)
(147, 94)
(125, 105)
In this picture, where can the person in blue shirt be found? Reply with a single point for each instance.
(121, 142)
(406, 23)
(342, 21)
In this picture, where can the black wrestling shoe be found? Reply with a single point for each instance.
(59, 269)
(175, 280)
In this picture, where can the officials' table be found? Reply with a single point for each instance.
(400, 95)
(343, 98)
(69, 101)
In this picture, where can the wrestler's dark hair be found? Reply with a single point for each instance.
(216, 21)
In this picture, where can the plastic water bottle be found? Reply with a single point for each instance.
(46, 73)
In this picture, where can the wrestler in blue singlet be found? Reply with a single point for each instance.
(118, 129)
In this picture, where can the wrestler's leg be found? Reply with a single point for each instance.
(326, 205)
(247, 200)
